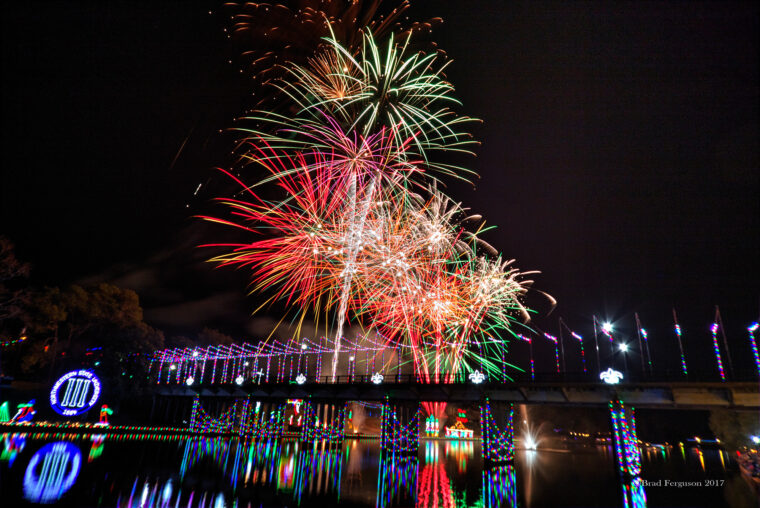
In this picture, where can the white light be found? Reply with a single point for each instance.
(755, 439)
(623, 347)
(377, 378)
(304, 346)
(172, 367)
(195, 353)
(477, 377)
(246, 364)
(610, 376)
(189, 381)
(529, 443)
(239, 380)
(607, 327)
(300, 379)
(350, 358)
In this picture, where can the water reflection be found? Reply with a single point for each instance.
(220, 472)
(500, 487)
(51, 472)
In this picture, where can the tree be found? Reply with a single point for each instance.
(13, 281)
(734, 428)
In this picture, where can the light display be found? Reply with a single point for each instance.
(556, 349)
(377, 378)
(611, 376)
(583, 354)
(51, 472)
(332, 431)
(643, 350)
(751, 329)
(716, 348)
(396, 438)
(81, 389)
(4, 412)
(300, 379)
(24, 412)
(477, 377)
(458, 431)
(530, 347)
(431, 426)
(105, 412)
(680, 343)
(498, 446)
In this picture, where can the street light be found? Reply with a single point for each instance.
(623, 347)
(607, 327)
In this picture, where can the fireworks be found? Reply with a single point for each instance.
(359, 233)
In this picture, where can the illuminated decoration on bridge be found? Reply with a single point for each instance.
(556, 349)
(24, 412)
(716, 348)
(680, 343)
(627, 453)
(189, 381)
(498, 446)
(75, 392)
(477, 377)
(751, 329)
(300, 379)
(398, 438)
(530, 346)
(583, 354)
(51, 472)
(333, 429)
(611, 376)
(377, 378)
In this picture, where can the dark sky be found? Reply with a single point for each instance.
(619, 152)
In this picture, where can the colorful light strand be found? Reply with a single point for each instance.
(497, 445)
(716, 348)
(751, 329)
(556, 348)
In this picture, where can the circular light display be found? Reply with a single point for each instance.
(75, 392)
(51, 472)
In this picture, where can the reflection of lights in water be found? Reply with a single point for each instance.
(434, 487)
(396, 480)
(500, 487)
(59, 465)
(13, 444)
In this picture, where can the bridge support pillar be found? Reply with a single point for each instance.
(627, 454)
(400, 429)
(498, 445)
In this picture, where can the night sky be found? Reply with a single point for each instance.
(619, 154)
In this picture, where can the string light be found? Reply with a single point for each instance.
(718, 359)
(497, 445)
(556, 348)
(751, 329)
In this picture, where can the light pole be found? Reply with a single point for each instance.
(624, 349)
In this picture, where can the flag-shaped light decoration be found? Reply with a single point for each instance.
(680, 347)
(530, 346)
(556, 348)
(714, 331)
(751, 329)
(583, 354)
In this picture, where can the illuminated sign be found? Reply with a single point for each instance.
(611, 377)
(51, 472)
(75, 392)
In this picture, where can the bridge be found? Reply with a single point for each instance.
(407, 389)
